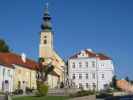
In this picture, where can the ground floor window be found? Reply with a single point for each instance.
(80, 85)
(87, 85)
(94, 86)
(5, 86)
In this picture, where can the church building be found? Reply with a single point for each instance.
(47, 51)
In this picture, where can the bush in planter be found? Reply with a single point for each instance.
(18, 91)
(42, 89)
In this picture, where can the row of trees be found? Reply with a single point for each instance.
(4, 46)
(114, 81)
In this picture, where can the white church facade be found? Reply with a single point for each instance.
(90, 70)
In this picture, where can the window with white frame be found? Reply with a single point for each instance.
(73, 77)
(93, 64)
(3, 71)
(86, 64)
(80, 85)
(94, 85)
(93, 76)
(87, 76)
(87, 85)
(80, 64)
(80, 76)
(102, 76)
(73, 64)
(8, 72)
(102, 64)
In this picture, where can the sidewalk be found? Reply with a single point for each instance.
(2, 97)
(91, 97)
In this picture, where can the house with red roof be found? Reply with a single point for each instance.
(90, 70)
(17, 72)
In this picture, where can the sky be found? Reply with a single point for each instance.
(103, 25)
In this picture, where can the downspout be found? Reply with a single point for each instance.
(30, 79)
(97, 71)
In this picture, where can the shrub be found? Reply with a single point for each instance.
(103, 95)
(18, 91)
(62, 85)
(29, 90)
(42, 89)
(82, 93)
(1, 92)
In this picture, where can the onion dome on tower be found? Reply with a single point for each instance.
(46, 25)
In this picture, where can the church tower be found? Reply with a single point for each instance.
(47, 51)
(46, 36)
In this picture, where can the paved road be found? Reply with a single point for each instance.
(2, 97)
(128, 97)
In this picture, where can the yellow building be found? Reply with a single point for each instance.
(47, 51)
(24, 70)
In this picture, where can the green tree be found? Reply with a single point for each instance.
(127, 79)
(3, 46)
(113, 83)
(43, 72)
(131, 81)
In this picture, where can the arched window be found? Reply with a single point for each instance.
(45, 41)
(45, 37)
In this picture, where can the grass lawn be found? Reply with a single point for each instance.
(40, 98)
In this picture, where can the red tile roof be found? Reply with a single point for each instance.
(9, 59)
(92, 54)
(103, 56)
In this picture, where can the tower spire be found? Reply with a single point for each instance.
(46, 26)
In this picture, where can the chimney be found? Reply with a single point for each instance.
(23, 57)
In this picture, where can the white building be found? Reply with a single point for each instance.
(6, 77)
(90, 70)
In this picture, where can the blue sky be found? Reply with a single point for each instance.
(103, 25)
